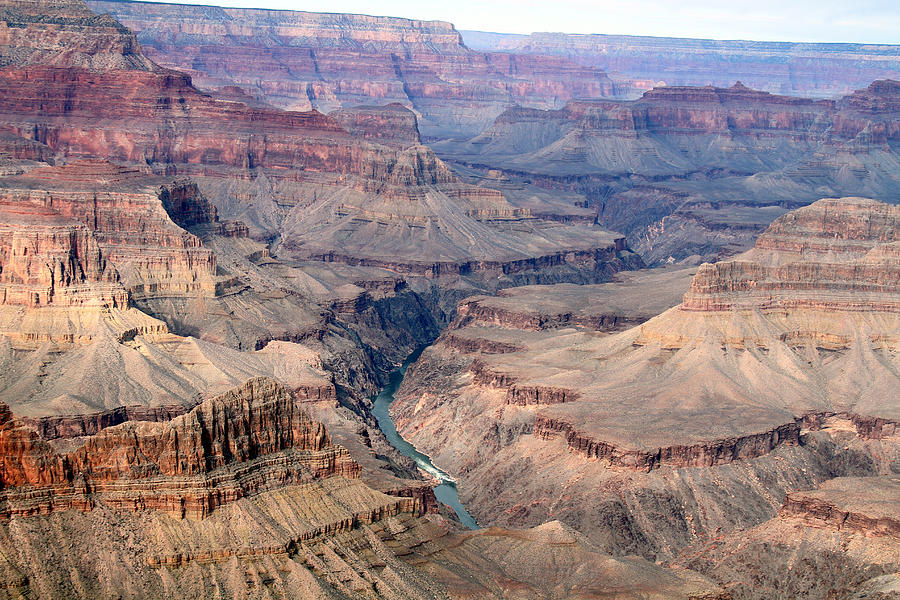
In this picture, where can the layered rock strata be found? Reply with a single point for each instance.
(771, 363)
(328, 61)
(298, 178)
(840, 538)
(40, 32)
(96, 223)
(687, 171)
(227, 447)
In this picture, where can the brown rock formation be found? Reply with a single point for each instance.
(707, 454)
(298, 177)
(116, 225)
(393, 125)
(41, 31)
(838, 539)
(837, 254)
(865, 506)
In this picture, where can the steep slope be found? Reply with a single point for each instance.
(746, 388)
(245, 492)
(302, 60)
(799, 69)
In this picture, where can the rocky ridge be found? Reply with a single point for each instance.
(797, 69)
(840, 536)
(225, 448)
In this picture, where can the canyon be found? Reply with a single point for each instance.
(205, 280)
(692, 173)
(776, 366)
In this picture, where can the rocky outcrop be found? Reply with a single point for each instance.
(839, 538)
(864, 506)
(328, 61)
(226, 448)
(298, 178)
(837, 254)
(41, 32)
(603, 260)
(707, 454)
(393, 125)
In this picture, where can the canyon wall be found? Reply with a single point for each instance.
(793, 68)
(689, 172)
(776, 366)
(302, 60)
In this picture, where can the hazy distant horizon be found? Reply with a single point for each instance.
(866, 22)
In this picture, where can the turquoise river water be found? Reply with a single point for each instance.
(446, 491)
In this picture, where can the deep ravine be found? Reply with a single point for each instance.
(446, 491)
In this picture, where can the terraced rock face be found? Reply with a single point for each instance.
(719, 392)
(301, 60)
(689, 172)
(797, 69)
(220, 451)
(40, 32)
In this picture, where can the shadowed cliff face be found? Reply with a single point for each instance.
(777, 366)
(302, 60)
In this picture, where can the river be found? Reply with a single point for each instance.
(446, 491)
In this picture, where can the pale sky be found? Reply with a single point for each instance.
(872, 21)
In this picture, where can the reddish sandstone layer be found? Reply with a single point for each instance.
(226, 448)
(393, 125)
(850, 505)
(95, 223)
(298, 177)
(705, 454)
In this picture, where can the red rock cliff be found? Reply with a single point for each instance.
(236, 444)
